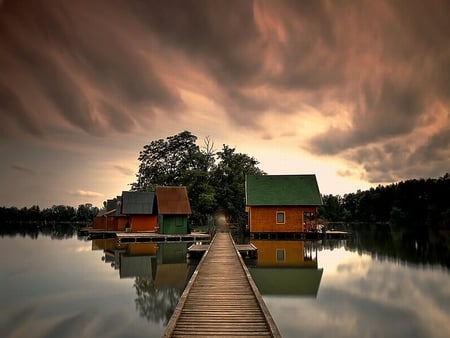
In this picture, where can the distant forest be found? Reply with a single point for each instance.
(56, 214)
(412, 203)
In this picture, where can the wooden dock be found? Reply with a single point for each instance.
(246, 250)
(329, 234)
(133, 237)
(144, 236)
(221, 298)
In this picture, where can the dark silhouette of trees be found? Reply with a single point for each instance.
(215, 180)
(415, 204)
(49, 220)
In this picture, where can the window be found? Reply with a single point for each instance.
(280, 255)
(280, 217)
(308, 220)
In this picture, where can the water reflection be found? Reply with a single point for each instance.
(410, 246)
(377, 284)
(54, 230)
(286, 268)
(362, 294)
(160, 273)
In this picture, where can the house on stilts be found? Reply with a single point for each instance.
(282, 204)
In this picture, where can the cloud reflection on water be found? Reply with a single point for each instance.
(362, 297)
(51, 288)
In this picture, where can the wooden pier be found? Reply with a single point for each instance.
(317, 235)
(221, 298)
(144, 236)
(246, 250)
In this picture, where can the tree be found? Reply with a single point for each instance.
(176, 161)
(165, 162)
(229, 182)
(215, 180)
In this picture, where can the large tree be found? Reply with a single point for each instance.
(215, 180)
(229, 182)
(166, 162)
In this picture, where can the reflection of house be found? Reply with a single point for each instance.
(172, 270)
(277, 253)
(139, 260)
(286, 268)
(173, 210)
(282, 203)
(163, 263)
(136, 266)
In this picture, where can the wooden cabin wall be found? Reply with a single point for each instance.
(263, 219)
(99, 223)
(120, 223)
(143, 222)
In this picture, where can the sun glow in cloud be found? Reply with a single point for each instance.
(86, 193)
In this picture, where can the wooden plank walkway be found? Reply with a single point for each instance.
(246, 250)
(143, 236)
(221, 299)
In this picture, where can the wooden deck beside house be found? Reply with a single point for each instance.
(143, 236)
(221, 299)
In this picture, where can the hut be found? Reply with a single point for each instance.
(282, 203)
(173, 209)
(112, 219)
(140, 209)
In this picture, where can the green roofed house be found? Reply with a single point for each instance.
(173, 209)
(282, 203)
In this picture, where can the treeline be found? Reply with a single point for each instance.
(56, 214)
(411, 203)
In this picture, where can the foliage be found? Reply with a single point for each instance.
(229, 182)
(34, 216)
(412, 203)
(155, 304)
(214, 180)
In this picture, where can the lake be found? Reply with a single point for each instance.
(369, 286)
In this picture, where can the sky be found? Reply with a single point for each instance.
(356, 92)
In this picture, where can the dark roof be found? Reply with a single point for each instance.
(268, 190)
(172, 201)
(111, 204)
(137, 266)
(138, 202)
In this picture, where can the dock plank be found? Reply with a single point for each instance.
(221, 298)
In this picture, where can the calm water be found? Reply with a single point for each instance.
(76, 288)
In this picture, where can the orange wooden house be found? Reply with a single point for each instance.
(134, 210)
(140, 209)
(111, 219)
(282, 203)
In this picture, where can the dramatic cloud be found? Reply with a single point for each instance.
(364, 82)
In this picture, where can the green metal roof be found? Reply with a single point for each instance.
(287, 281)
(267, 190)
